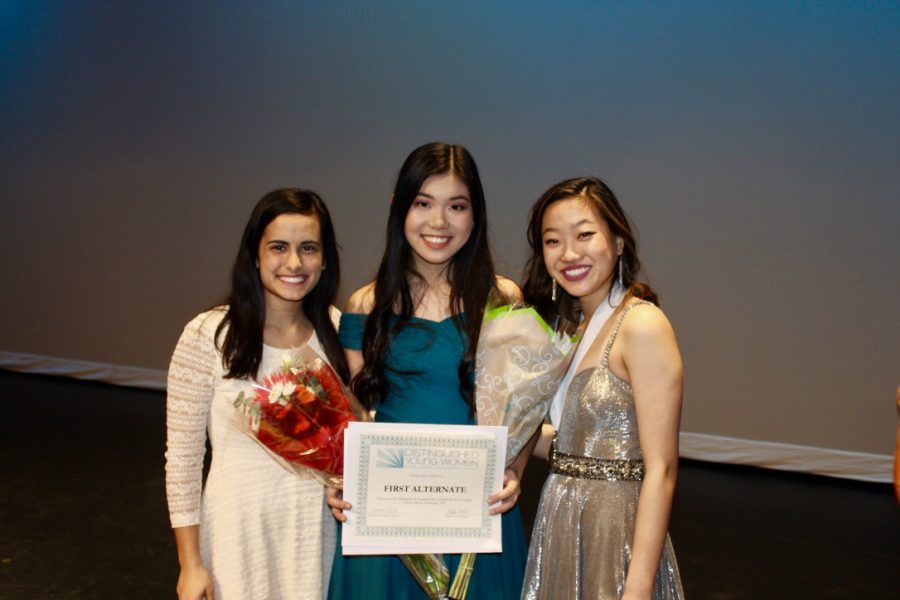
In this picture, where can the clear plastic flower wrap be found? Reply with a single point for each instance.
(518, 366)
(430, 572)
(298, 413)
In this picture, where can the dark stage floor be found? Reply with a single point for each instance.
(84, 512)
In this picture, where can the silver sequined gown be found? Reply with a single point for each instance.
(584, 528)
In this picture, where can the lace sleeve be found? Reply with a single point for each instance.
(191, 383)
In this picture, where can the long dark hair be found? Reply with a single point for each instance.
(246, 315)
(470, 272)
(537, 286)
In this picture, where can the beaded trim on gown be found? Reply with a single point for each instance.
(583, 532)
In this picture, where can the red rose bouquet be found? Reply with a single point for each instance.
(299, 413)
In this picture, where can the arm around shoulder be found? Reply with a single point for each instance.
(362, 300)
(360, 303)
(509, 290)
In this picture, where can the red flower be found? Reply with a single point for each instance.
(302, 413)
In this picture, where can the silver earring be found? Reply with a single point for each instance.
(620, 272)
(323, 266)
(553, 290)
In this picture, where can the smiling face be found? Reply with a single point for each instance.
(290, 258)
(579, 250)
(439, 221)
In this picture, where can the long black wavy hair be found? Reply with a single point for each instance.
(470, 272)
(246, 315)
(538, 284)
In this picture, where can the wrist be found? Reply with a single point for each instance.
(634, 590)
(190, 561)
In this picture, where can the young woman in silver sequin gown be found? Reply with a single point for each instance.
(601, 527)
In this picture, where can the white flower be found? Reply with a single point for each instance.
(563, 343)
(281, 392)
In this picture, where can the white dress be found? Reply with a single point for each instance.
(264, 532)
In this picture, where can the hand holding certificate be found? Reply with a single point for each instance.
(437, 502)
(422, 488)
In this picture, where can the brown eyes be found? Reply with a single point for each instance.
(305, 248)
(584, 235)
(461, 207)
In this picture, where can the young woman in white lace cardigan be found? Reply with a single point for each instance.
(256, 531)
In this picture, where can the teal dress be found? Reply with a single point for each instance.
(423, 387)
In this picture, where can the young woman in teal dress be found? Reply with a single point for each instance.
(410, 338)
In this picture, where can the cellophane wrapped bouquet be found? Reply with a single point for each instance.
(298, 413)
(519, 363)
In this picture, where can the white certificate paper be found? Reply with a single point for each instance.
(419, 489)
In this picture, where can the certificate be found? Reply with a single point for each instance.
(419, 489)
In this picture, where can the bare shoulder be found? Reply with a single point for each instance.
(509, 289)
(334, 313)
(647, 323)
(362, 300)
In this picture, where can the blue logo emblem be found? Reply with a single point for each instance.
(389, 458)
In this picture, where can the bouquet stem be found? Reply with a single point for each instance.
(430, 572)
(463, 575)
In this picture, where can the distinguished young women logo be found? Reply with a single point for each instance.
(449, 458)
(390, 458)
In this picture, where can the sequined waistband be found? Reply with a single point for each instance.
(603, 469)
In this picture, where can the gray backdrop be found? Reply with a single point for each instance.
(755, 146)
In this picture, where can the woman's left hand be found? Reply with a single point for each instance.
(508, 496)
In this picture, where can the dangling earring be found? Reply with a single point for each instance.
(620, 272)
(323, 266)
(553, 290)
